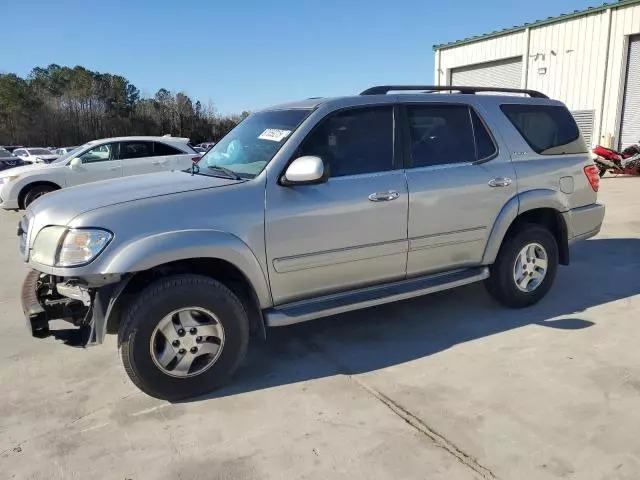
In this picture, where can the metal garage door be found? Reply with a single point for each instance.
(502, 73)
(630, 125)
(584, 119)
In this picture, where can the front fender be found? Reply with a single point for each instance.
(517, 205)
(162, 248)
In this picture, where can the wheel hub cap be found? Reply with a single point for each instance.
(187, 342)
(530, 267)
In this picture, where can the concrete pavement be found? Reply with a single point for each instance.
(449, 386)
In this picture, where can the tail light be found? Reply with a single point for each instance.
(196, 159)
(593, 175)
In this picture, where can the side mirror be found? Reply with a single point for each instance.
(75, 164)
(305, 171)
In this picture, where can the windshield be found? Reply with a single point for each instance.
(39, 151)
(249, 147)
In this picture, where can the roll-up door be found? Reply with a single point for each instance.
(630, 124)
(502, 73)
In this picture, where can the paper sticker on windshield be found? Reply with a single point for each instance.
(274, 134)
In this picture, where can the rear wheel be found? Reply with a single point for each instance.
(184, 336)
(525, 267)
(36, 192)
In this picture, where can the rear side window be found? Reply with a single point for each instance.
(548, 129)
(160, 149)
(135, 150)
(485, 147)
(447, 134)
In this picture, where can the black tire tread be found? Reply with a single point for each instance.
(499, 282)
(28, 196)
(156, 289)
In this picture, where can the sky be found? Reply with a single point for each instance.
(245, 55)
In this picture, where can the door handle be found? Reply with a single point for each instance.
(384, 196)
(113, 169)
(157, 163)
(500, 182)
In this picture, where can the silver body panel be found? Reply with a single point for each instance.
(298, 244)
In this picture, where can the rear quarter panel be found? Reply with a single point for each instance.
(562, 174)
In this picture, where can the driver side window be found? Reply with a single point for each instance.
(354, 141)
(101, 153)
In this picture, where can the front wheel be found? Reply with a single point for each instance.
(36, 192)
(184, 336)
(525, 267)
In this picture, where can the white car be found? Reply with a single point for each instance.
(35, 155)
(94, 161)
(63, 150)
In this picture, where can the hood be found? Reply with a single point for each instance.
(23, 169)
(62, 206)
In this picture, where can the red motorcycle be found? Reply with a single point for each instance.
(626, 162)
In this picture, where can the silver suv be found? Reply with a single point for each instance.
(306, 210)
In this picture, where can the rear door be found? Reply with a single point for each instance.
(459, 179)
(138, 158)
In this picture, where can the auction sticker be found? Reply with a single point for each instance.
(274, 134)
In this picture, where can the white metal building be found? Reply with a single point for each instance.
(589, 59)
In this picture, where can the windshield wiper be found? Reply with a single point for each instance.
(229, 173)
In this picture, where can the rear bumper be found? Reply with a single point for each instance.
(584, 222)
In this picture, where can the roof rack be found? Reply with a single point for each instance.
(384, 89)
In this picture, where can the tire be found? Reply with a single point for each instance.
(140, 341)
(502, 284)
(36, 192)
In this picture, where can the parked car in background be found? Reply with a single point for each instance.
(307, 210)
(9, 160)
(11, 148)
(35, 155)
(63, 150)
(206, 145)
(93, 161)
(200, 149)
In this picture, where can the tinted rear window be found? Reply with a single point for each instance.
(164, 149)
(548, 129)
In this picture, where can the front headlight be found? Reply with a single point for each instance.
(81, 246)
(62, 247)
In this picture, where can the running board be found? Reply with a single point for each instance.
(336, 303)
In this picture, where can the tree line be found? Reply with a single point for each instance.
(65, 106)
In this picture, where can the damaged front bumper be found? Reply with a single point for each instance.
(85, 303)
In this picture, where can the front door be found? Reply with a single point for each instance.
(99, 163)
(350, 231)
(459, 180)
